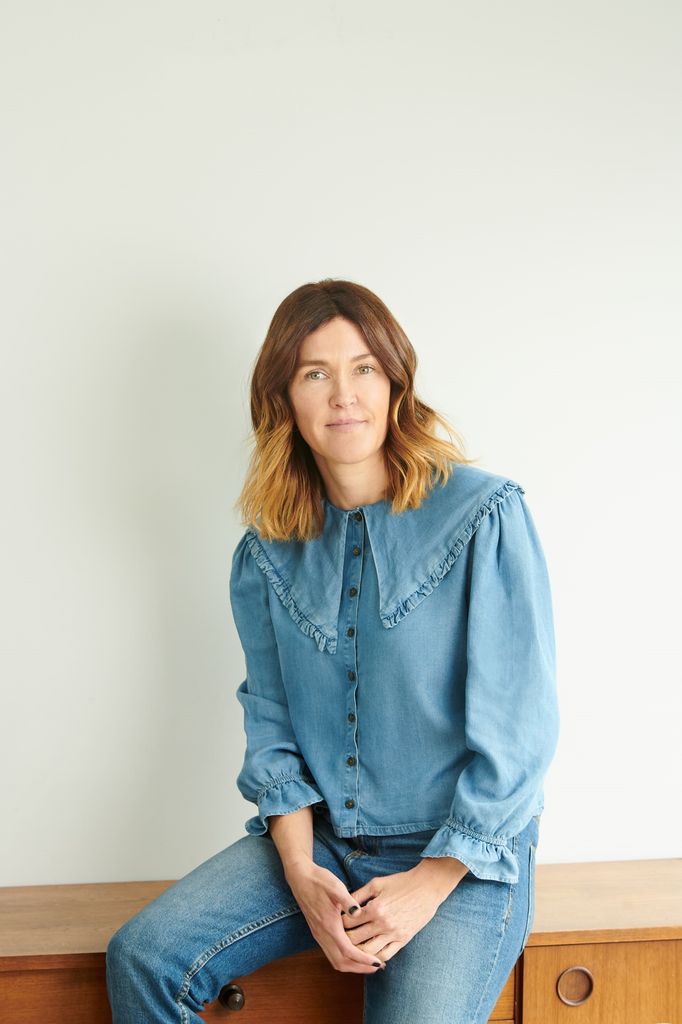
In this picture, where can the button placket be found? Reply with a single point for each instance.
(356, 535)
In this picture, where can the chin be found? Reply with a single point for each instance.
(350, 455)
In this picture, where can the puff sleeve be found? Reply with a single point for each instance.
(511, 707)
(274, 775)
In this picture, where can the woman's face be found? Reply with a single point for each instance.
(337, 378)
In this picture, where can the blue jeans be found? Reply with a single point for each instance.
(235, 912)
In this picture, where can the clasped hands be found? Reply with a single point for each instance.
(391, 910)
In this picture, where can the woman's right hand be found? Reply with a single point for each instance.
(322, 896)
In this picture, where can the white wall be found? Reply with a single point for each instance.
(506, 177)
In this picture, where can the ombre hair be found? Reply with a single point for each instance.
(281, 496)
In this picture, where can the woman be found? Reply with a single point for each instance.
(400, 707)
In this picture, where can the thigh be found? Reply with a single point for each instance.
(454, 969)
(230, 915)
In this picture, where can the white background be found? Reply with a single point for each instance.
(506, 176)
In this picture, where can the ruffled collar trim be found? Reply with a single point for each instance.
(413, 551)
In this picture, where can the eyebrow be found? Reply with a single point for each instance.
(323, 362)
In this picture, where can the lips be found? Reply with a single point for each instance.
(346, 425)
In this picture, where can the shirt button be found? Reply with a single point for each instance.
(353, 591)
(350, 760)
(350, 631)
(351, 674)
(350, 803)
(356, 550)
(357, 515)
(351, 716)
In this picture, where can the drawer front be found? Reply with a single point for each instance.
(305, 989)
(301, 989)
(74, 994)
(603, 983)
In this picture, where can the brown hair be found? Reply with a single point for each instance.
(281, 496)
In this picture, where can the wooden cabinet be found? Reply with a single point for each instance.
(606, 948)
(315, 993)
(596, 983)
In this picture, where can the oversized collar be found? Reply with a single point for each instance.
(412, 552)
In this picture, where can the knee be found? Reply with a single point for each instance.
(140, 975)
(123, 950)
(132, 950)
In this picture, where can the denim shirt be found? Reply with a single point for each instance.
(400, 671)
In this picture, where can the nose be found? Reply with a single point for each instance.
(343, 391)
(343, 396)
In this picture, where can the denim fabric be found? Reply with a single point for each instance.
(400, 671)
(235, 913)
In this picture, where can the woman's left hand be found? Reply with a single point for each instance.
(393, 908)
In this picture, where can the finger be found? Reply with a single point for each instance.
(362, 894)
(364, 902)
(344, 900)
(342, 962)
(353, 920)
(368, 939)
(361, 905)
(354, 953)
(355, 968)
(364, 916)
(389, 950)
(364, 926)
(353, 909)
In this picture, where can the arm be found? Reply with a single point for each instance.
(511, 707)
(274, 775)
(292, 834)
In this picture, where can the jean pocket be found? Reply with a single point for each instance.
(530, 913)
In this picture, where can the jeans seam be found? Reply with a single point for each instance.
(484, 990)
(531, 867)
(512, 886)
(218, 947)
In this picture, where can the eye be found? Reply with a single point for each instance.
(364, 366)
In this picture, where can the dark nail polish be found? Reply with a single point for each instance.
(377, 964)
(353, 910)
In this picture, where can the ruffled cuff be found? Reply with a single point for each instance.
(485, 856)
(283, 795)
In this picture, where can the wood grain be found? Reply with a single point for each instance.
(621, 919)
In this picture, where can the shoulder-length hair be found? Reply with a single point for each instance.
(281, 496)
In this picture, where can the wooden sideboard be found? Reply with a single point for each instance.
(606, 948)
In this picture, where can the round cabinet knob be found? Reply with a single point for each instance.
(574, 985)
(231, 997)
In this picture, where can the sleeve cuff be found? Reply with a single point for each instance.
(484, 856)
(283, 795)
